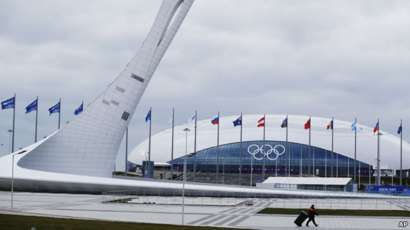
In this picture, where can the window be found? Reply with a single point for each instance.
(125, 116)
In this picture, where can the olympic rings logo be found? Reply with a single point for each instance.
(266, 150)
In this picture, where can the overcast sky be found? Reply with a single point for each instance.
(320, 58)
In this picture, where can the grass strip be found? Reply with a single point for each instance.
(48, 223)
(340, 212)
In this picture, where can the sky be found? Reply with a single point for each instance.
(322, 58)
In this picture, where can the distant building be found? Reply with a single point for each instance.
(274, 156)
(308, 183)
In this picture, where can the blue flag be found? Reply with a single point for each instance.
(54, 109)
(148, 117)
(400, 129)
(33, 106)
(354, 125)
(79, 109)
(194, 117)
(9, 103)
(237, 122)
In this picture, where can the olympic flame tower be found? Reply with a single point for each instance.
(89, 144)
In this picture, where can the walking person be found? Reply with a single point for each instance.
(311, 215)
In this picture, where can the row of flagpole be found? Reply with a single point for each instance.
(261, 123)
(31, 107)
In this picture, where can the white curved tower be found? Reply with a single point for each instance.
(89, 144)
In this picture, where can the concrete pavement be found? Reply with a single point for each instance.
(233, 214)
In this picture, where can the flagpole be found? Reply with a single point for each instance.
(14, 124)
(172, 141)
(264, 141)
(59, 115)
(287, 143)
(333, 150)
(401, 152)
(149, 134)
(326, 161)
(36, 124)
(378, 154)
(12, 180)
(126, 150)
(355, 152)
(310, 144)
(251, 179)
(217, 146)
(240, 150)
(276, 164)
(195, 128)
(12, 155)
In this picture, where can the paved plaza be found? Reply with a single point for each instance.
(223, 212)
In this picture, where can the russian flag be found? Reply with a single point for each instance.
(376, 128)
(215, 120)
(261, 122)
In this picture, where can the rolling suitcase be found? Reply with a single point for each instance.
(302, 217)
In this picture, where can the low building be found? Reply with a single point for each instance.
(308, 183)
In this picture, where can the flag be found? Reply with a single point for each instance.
(329, 125)
(215, 120)
(79, 109)
(354, 125)
(376, 128)
(148, 116)
(33, 106)
(237, 122)
(400, 129)
(284, 123)
(54, 109)
(9, 103)
(193, 117)
(261, 122)
(308, 124)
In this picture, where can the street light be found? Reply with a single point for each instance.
(186, 130)
(10, 131)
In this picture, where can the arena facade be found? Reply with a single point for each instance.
(267, 153)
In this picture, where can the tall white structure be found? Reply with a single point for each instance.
(89, 144)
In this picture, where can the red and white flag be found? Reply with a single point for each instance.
(308, 124)
(261, 122)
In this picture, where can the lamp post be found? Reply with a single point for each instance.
(186, 130)
(12, 170)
